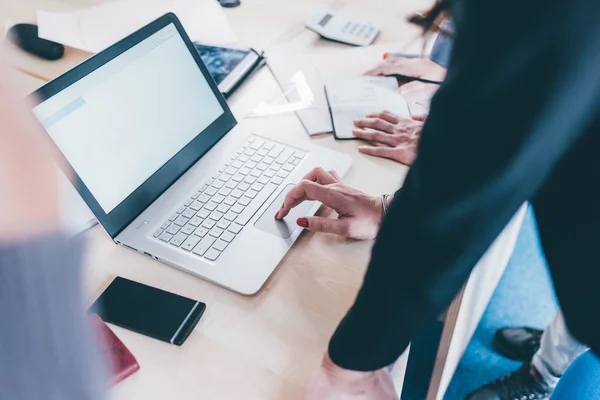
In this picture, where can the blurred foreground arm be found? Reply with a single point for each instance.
(46, 349)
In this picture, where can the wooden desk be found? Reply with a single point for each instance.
(265, 346)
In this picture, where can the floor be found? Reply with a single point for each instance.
(524, 297)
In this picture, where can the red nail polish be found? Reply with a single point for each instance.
(277, 215)
(303, 222)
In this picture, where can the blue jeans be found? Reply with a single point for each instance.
(581, 381)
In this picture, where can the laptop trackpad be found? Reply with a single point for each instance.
(287, 226)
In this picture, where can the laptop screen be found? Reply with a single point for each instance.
(121, 123)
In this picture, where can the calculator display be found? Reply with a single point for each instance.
(325, 19)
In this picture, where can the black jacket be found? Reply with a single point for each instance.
(517, 119)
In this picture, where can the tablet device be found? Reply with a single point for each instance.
(229, 67)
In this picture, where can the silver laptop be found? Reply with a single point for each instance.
(139, 127)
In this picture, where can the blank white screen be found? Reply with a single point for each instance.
(118, 125)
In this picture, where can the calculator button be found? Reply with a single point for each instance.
(190, 243)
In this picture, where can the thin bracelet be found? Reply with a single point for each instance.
(384, 205)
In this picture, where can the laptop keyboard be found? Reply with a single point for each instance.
(211, 219)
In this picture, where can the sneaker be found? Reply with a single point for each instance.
(518, 344)
(522, 384)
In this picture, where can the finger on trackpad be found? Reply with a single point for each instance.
(285, 227)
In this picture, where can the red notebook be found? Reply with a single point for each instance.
(123, 363)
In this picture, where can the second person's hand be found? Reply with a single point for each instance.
(359, 215)
(395, 137)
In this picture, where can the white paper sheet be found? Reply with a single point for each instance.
(94, 29)
(353, 98)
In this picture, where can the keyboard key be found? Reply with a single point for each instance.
(216, 215)
(204, 213)
(165, 237)
(211, 191)
(230, 200)
(203, 198)
(218, 184)
(165, 225)
(195, 196)
(243, 186)
(299, 154)
(262, 152)
(204, 245)
(289, 167)
(238, 177)
(224, 177)
(269, 160)
(263, 180)
(244, 171)
(201, 231)
(255, 172)
(284, 156)
(187, 203)
(270, 173)
(277, 180)
(237, 164)
(268, 145)
(250, 179)
(158, 233)
(178, 239)
(173, 229)
(231, 184)
(209, 223)
(276, 151)
(238, 208)
(225, 191)
(252, 164)
(256, 158)
(173, 217)
(228, 236)
(255, 205)
(218, 198)
(181, 220)
(231, 171)
(196, 205)
(189, 213)
(262, 166)
(258, 187)
(220, 245)
(188, 229)
(235, 228)
(256, 144)
(223, 224)
(230, 216)
(196, 220)
(282, 174)
(223, 208)
(216, 232)
(296, 160)
(244, 201)
(249, 151)
(212, 254)
(190, 243)
(243, 158)
(210, 206)
(251, 193)
(274, 167)
(237, 193)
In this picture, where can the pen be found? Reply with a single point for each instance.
(391, 56)
(406, 78)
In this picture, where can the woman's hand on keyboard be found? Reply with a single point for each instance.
(359, 214)
(392, 136)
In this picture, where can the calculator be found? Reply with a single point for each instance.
(333, 26)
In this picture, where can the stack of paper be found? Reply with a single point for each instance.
(94, 29)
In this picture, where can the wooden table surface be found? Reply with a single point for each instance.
(264, 346)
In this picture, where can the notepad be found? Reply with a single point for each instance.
(353, 98)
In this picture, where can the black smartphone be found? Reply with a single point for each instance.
(147, 310)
